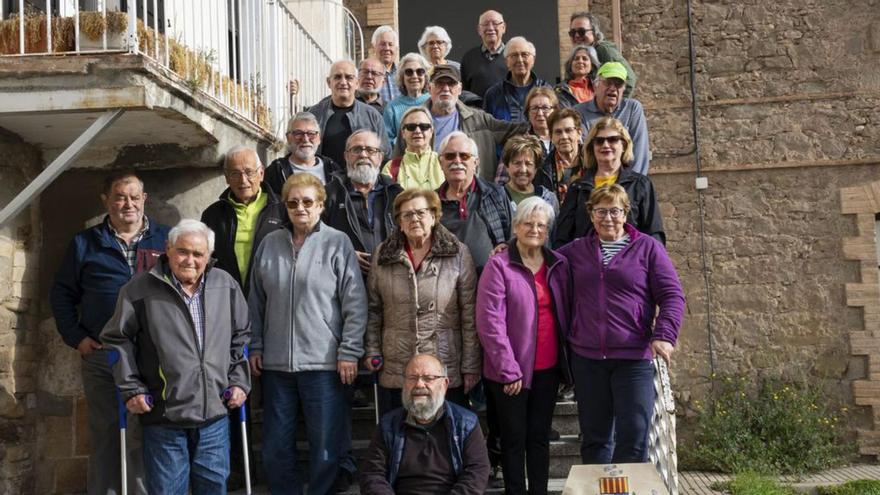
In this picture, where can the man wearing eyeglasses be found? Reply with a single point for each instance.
(360, 202)
(303, 141)
(505, 99)
(430, 445)
(584, 30)
(340, 114)
(386, 48)
(371, 79)
(609, 101)
(483, 66)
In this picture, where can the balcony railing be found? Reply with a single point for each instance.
(253, 56)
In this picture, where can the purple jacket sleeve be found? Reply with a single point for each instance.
(666, 290)
(492, 321)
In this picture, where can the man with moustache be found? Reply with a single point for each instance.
(303, 140)
(483, 66)
(609, 101)
(584, 30)
(340, 114)
(429, 445)
(360, 203)
(371, 79)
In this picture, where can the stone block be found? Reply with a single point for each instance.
(53, 405)
(81, 428)
(56, 433)
(70, 475)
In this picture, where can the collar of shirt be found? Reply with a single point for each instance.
(144, 228)
(179, 286)
(462, 203)
(489, 53)
(244, 206)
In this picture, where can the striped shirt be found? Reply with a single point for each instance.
(196, 306)
(129, 249)
(610, 248)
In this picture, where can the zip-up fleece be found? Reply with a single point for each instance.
(507, 315)
(613, 307)
(309, 311)
(154, 335)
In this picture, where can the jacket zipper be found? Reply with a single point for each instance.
(603, 307)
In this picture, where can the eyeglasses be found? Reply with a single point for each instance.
(541, 227)
(238, 174)
(418, 214)
(448, 83)
(601, 212)
(435, 43)
(293, 204)
(371, 73)
(413, 127)
(302, 134)
(452, 155)
(559, 131)
(428, 379)
(578, 32)
(369, 150)
(600, 140)
(347, 77)
(488, 24)
(522, 55)
(544, 110)
(410, 72)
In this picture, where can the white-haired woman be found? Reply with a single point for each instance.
(412, 79)
(522, 314)
(435, 45)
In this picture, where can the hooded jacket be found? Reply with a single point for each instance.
(153, 332)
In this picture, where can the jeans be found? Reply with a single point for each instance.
(104, 466)
(524, 422)
(615, 403)
(320, 395)
(177, 457)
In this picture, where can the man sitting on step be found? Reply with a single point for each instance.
(428, 445)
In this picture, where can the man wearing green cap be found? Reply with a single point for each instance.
(608, 101)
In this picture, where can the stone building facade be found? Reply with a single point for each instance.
(789, 126)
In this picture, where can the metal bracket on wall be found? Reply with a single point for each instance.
(60, 164)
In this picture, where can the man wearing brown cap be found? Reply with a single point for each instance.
(450, 114)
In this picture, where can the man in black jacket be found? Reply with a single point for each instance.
(303, 141)
(245, 213)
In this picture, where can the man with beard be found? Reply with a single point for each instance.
(303, 140)
(609, 101)
(361, 203)
(429, 445)
(371, 78)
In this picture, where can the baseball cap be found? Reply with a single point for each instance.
(612, 69)
(445, 70)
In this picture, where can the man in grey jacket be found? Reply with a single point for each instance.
(340, 114)
(610, 102)
(180, 332)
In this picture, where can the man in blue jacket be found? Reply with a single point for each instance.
(98, 262)
(429, 445)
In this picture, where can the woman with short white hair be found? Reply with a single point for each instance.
(435, 44)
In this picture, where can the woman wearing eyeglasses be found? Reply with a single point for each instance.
(422, 287)
(627, 305)
(607, 154)
(522, 316)
(435, 44)
(412, 79)
(419, 166)
(308, 310)
(580, 69)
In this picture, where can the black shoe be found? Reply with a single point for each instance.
(344, 481)
(554, 435)
(496, 479)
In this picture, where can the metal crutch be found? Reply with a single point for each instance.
(376, 362)
(242, 420)
(112, 358)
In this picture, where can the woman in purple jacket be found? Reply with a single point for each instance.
(522, 313)
(620, 277)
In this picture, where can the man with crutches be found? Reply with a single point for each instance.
(181, 331)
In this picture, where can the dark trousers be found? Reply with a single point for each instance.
(524, 422)
(615, 403)
(390, 399)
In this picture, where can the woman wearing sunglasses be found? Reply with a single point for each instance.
(419, 166)
(422, 288)
(607, 154)
(412, 79)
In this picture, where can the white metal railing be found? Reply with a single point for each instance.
(254, 56)
(661, 434)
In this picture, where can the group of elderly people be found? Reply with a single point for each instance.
(543, 268)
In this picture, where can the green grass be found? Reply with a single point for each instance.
(753, 484)
(858, 487)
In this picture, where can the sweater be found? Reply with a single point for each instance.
(479, 73)
(394, 113)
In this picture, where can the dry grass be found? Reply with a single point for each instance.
(195, 67)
